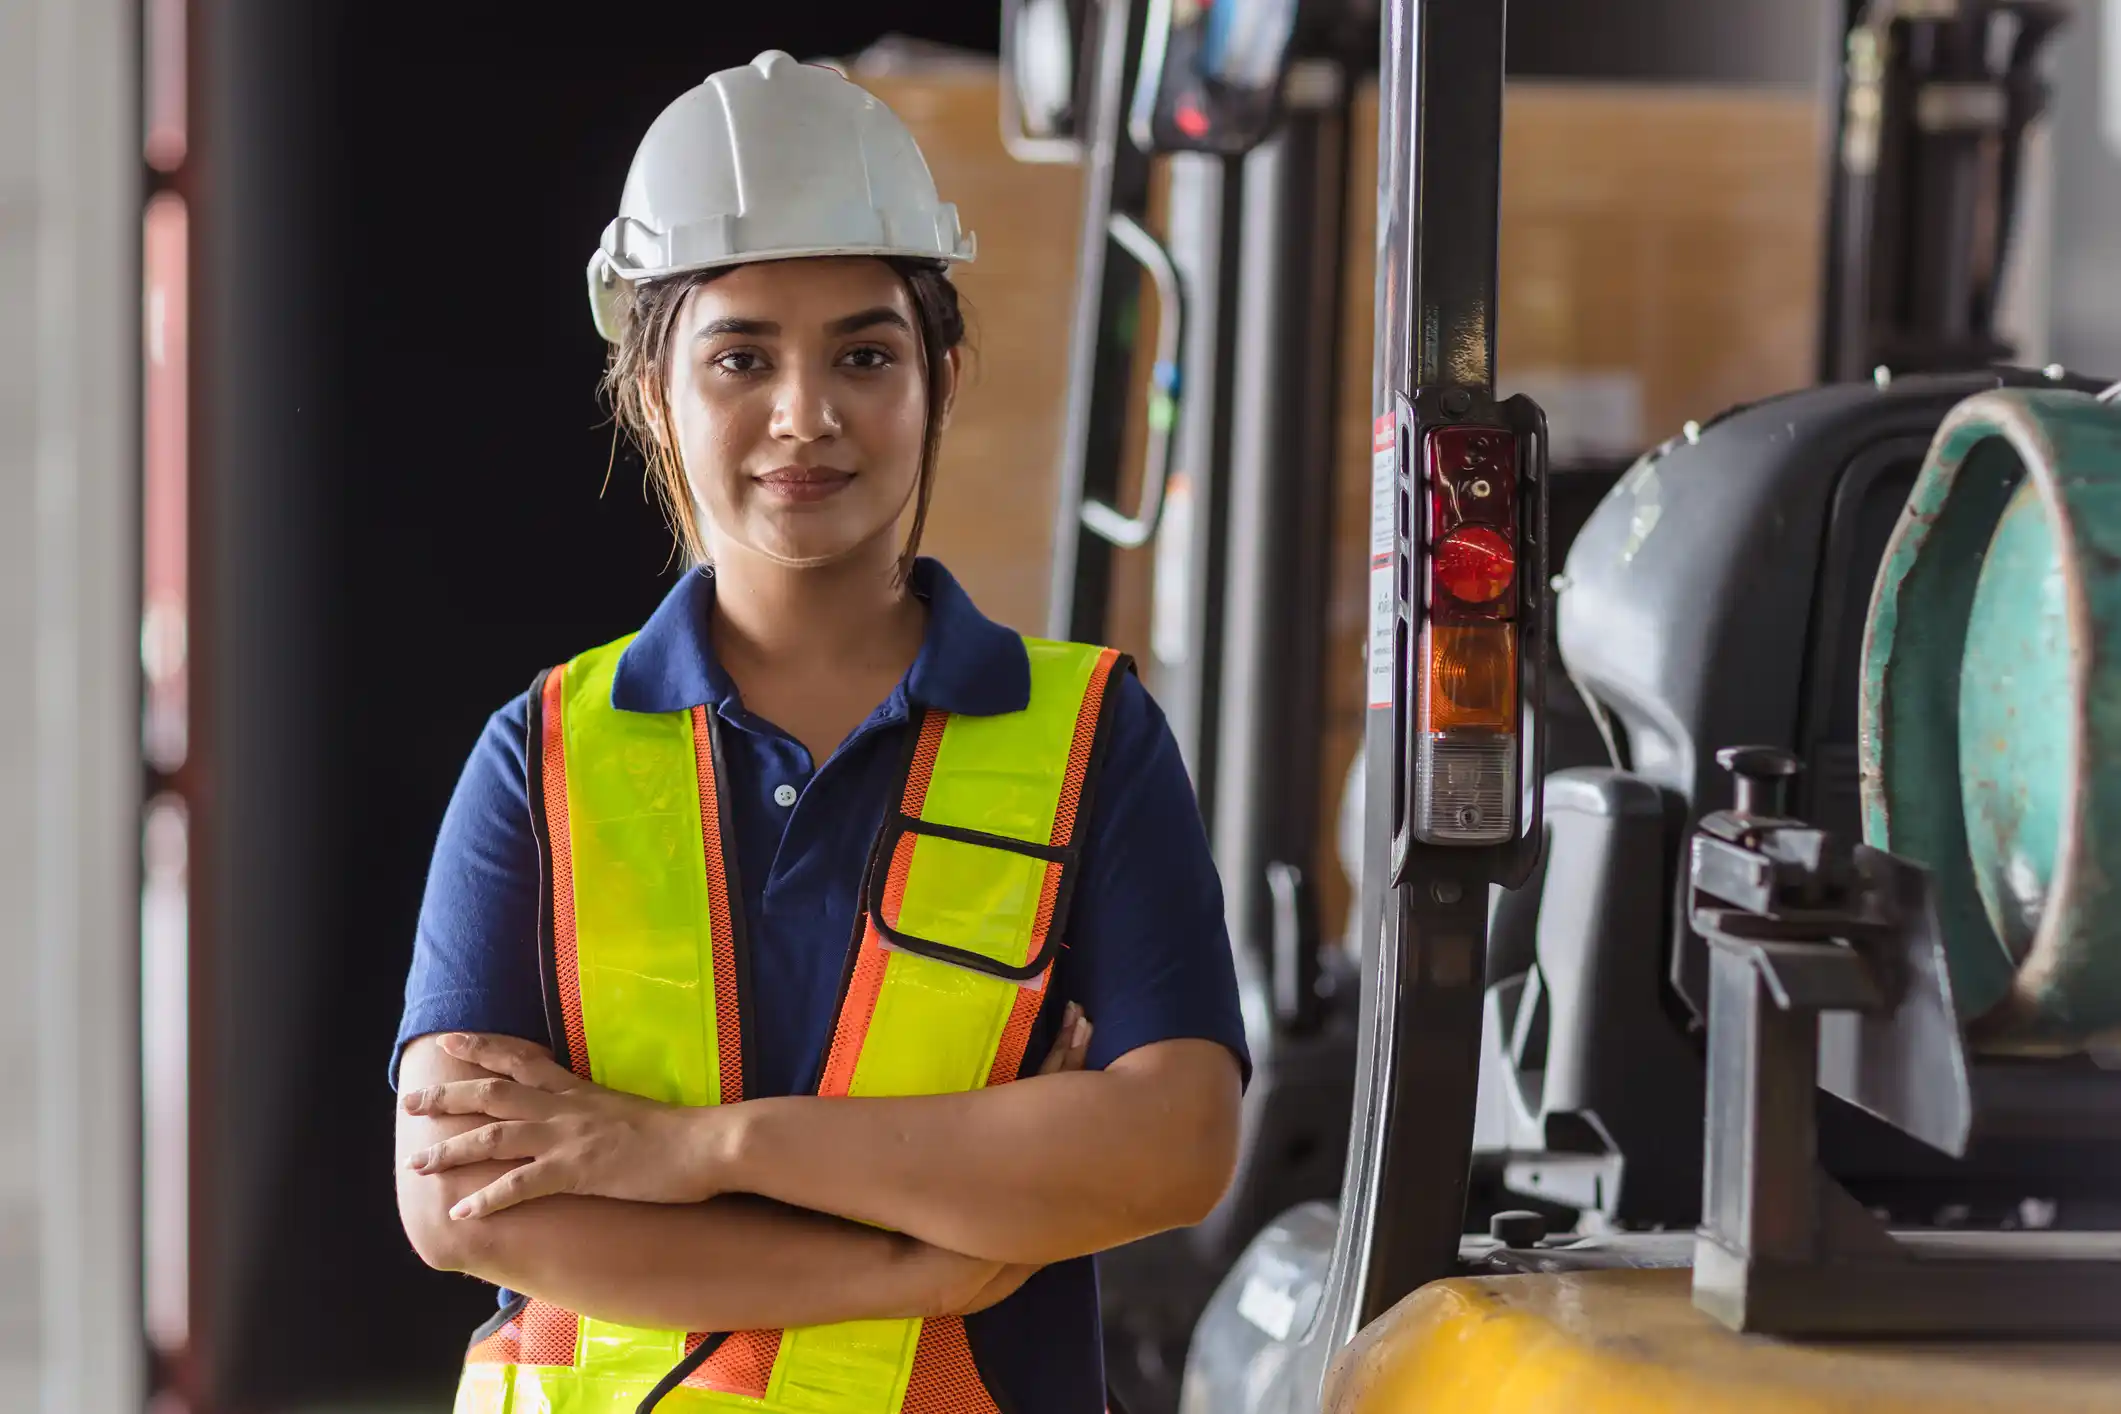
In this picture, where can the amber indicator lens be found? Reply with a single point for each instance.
(1475, 565)
(1472, 681)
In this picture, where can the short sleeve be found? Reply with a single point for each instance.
(475, 951)
(1148, 949)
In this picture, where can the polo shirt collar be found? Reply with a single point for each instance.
(967, 662)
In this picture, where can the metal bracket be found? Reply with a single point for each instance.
(1823, 935)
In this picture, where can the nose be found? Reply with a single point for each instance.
(802, 409)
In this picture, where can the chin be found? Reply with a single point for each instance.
(814, 552)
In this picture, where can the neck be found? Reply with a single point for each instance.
(849, 614)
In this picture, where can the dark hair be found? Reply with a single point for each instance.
(635, 385)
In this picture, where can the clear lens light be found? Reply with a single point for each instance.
(1465, 788)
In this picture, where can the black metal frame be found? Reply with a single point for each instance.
(1928, 139)
(1440, 147)
(1265, 814)
(1115, 183)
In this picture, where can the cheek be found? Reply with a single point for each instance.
(714, 430)
(896, 419)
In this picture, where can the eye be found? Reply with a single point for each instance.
(738, 361)
(868, 357)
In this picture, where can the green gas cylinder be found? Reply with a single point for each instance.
(1990, 737)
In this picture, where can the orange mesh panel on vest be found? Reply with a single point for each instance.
(743, 1365)
(728, 1025)
(1016, 1035)
(549, 1333)
(1079, 750)
(945, 1381)
(923, 768)
(568, 977)
(853, 1023)
(503, 1347)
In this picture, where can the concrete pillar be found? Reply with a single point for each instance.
(69, 777)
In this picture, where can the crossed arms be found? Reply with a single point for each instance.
(799, 1211)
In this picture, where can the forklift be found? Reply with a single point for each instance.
(1820, 1067)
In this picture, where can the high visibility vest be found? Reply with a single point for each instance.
(647, 990)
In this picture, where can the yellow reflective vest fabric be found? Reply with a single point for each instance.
(645, 970)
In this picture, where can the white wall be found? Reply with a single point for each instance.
(18, 1168)
(68, 772)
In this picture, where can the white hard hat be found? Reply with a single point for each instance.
(770, 160)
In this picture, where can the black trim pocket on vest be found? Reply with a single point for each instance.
(681, 1372)
(899, 825)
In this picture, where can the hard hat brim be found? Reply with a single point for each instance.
(611, 292)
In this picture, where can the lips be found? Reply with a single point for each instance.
(803, 484)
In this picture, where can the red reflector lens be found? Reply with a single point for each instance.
(1475, 565)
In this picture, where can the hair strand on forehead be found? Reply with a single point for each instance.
(634, 385)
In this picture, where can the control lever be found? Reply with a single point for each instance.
(1294, 939)
(1760, 774)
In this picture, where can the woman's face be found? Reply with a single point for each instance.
(799, 406)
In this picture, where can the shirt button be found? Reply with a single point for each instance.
(784, 795)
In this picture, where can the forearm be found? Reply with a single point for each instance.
(735, 1263)
(1047, 1168)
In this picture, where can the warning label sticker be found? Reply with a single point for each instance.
(1384, 484)
(1384, 539)
(1384, 617)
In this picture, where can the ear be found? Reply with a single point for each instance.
(662, 421)
(951, 374)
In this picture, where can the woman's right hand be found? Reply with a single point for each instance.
(963, 1285)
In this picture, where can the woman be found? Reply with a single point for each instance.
(715, 1155)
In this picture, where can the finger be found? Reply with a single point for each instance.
(494, 1096)
(508, 1140)
(1079, 1045)
(516, 1186)
(517, 1059)
(1057, 1057)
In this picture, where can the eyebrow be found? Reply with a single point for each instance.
(882, 314)
(729, 324)
(869, 319)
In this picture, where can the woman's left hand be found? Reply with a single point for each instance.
(568, 1135)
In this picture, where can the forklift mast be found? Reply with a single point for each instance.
(1445, 819)
(1930, 138)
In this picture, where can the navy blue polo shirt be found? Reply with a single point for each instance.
(1146, 951)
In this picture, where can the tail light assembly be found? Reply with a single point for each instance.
(1461, 483)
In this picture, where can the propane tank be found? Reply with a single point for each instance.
(1990, 720)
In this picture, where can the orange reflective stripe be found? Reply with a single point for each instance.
(852, 1026)
(550, 1334)
(944, 1376)
(561, 850)
(744, 1362)
(728, 1017)
(1016, 1035)
(540, 1333)
(946, 1379)
(503, 1347)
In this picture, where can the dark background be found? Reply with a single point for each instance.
(401, 513)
